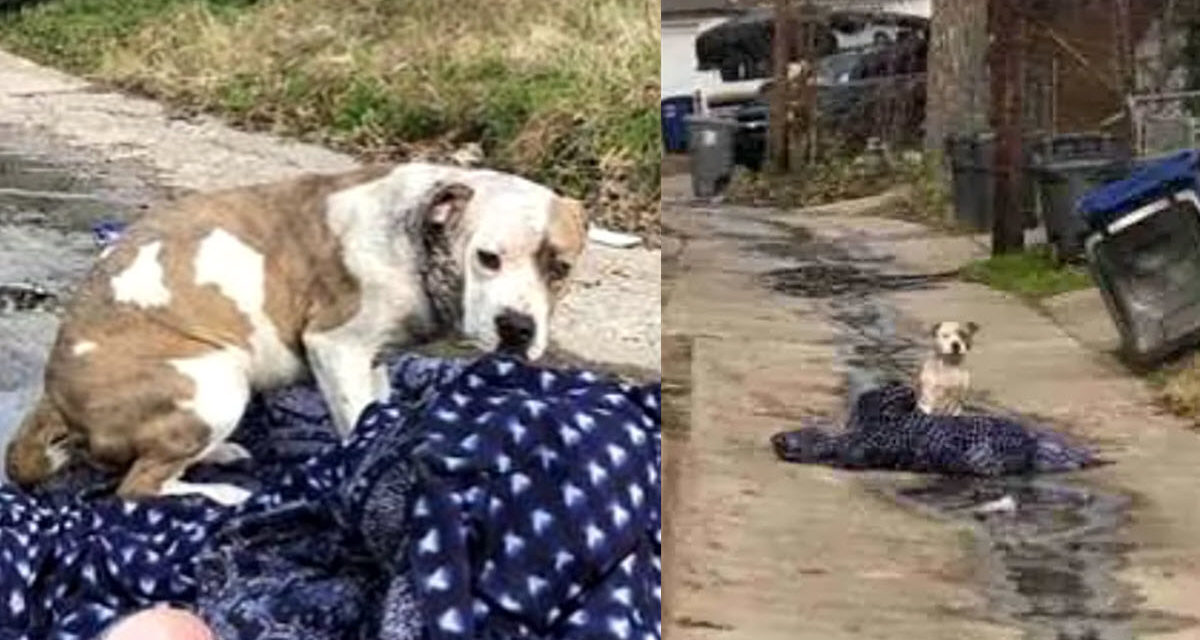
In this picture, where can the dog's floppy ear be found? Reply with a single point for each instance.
(933, 331)
(574, 211)
(972, 328)
(445, 204)
(568, 225)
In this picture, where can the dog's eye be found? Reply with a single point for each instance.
(489, 260)
(558, 270)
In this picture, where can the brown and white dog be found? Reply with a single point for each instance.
(944, 381)
(252, 288)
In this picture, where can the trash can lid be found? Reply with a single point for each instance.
(1074, 164)
(1151, 181)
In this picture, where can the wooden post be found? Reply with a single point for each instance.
(777, 109)
(803, 87)
(1126, 73)
(1007, 51)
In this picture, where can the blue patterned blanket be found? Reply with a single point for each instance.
(487, 499)
(887, 431)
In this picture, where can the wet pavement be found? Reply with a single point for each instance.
(47, 209)
(775, 318)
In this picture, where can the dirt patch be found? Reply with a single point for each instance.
(674, 164)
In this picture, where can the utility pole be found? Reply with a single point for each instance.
(780, 98)
(1006, 22)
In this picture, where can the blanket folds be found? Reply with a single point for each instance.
(887, 431)
(486, 499)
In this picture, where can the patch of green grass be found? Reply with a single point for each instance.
(563, 92)
(1030, 274)
(66, 33)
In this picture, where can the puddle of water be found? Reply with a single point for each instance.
(26, 297)
(1052, 558)
(829, 279)
(20, 172)
(36, 192)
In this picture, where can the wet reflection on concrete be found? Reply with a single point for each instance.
(1051, 547)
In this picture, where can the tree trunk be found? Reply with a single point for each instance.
(1007, 25)
(802, 96)
(957, 82)
(777, 110)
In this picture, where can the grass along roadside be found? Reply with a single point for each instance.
(1032, 274)
(563, 92)
(1177, 386)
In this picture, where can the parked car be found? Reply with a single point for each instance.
(741, 48)
(873, 92)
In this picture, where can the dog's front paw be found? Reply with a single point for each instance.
(226, 494)
(221, 493)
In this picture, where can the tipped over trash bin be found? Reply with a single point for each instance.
(1144, 253)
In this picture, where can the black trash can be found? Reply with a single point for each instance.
(711, 149)
(1061, 184)
(972, 162)
(750, 140)
(971, 195)
(750, 145)
(1066, 167)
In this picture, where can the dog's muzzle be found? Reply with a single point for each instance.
(516, 332)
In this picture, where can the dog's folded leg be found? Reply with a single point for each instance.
(152, 476)
(226, 453)
(345, 376)
(173, 442)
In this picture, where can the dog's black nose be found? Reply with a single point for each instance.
(516, 331)
(956, 348)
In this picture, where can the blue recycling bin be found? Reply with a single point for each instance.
(1143, 250)
(675, 111)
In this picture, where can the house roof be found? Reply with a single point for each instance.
(670, 7)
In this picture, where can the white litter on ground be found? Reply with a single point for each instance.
(613, 238)
(1007, 504)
